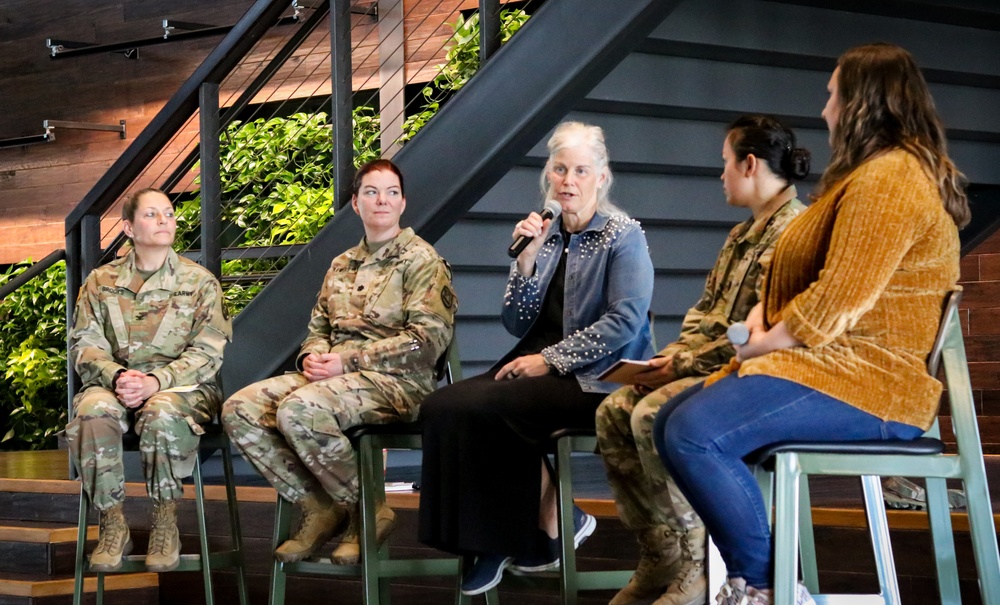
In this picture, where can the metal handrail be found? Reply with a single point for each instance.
(32, 272)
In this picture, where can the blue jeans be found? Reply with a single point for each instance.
(702, 435)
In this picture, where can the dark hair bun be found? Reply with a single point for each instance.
(795, 164)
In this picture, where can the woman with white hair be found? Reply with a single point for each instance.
(578, 298)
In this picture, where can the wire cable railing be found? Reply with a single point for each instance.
(249, 148)
(284, 205)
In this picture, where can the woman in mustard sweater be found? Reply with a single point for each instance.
(848, 314)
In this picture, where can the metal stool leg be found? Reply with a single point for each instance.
(81, 544)
(567, 569)
(282, 527)
(206, 557)
(807, 539)
(878, 525)
(370, 465)
(786, 528)
(235, 530)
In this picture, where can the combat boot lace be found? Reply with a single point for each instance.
(348, 552)
(164, 552)
(659, 562)
(689, 585)
(320, 518)
(113, 541)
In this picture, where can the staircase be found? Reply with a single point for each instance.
(38, 545)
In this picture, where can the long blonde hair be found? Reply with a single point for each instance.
(885, 104)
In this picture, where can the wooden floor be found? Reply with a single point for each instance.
(35, 492)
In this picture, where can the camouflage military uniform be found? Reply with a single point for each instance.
(172, 327)
(390, 315)
(644, 492)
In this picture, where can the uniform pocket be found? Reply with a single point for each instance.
(326, 423)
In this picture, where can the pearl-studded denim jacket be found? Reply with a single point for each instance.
(608, 287)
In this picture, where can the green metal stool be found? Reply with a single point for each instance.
(213, 439)
(924, 457)
(376, 569)
(568, 579)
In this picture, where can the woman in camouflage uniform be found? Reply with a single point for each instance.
(761, 163)
(384, 316)
(147, 342)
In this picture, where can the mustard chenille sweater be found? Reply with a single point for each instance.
(860, 278)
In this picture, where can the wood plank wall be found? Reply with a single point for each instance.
(40, 184)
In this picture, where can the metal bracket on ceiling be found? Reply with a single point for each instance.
(49, 135)
(56, 46)
(170, 25)
(50, 125)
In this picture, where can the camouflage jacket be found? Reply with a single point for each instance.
(172, 327)
(389, 313)
(731, 290)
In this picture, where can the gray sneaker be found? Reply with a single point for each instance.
(736, 592)
(901, 493)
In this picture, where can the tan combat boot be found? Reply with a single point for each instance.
(164, 551)
(113, 542)
(320, 518)
(659, 560)
(690, 585)
(349, 551)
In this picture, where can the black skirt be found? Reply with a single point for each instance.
(482, 446)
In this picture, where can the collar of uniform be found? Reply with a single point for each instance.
(164, 279)
(757, 227)
(391, 249)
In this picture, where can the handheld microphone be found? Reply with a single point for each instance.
(552, 210)
(738, 334)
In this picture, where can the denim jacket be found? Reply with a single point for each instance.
(608, 287)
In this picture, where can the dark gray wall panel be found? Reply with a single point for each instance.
(479, 293)
(675, 197)
(690, 143)
(482, 342)
(685, 248)
(979, 161)
(680, 81)
(517, 192)
(477, 243)
(706, 84)
(673, 295)
(484, 243)
(815, 31)
(661, 196)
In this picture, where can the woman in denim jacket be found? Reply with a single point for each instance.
(578, 298)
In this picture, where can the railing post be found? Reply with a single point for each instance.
(73, 282)
(90, 244)
(489, 29)
(211, 179)
(340, 100)
(391, 74)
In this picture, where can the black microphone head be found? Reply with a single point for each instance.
(552, 209)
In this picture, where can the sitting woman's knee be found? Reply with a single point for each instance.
(291, 413)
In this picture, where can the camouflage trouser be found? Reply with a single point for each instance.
(167, 443)
(292, 430)
(644, 492)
